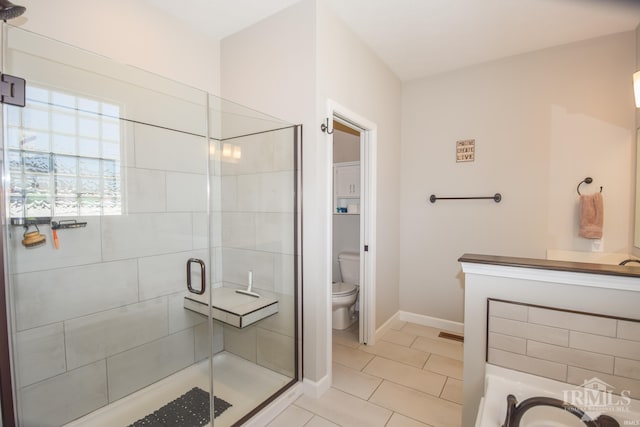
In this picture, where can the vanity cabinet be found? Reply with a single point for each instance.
(346, 187)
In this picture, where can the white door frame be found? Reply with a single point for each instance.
(368, 163)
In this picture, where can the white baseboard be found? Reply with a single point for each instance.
(273, 409)
(316, 389)
(385, 327)
(433, 322)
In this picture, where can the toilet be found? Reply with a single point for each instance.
(345, 293)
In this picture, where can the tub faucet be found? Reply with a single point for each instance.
(627, 261)
(515, 411)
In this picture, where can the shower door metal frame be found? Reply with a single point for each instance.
(6, 383)
(7, 404)
(297, 267)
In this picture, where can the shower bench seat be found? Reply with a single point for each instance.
(232, 308)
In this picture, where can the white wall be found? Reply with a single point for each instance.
(350, 74)
(542, 122)
(129, 32)
(289, 65)
(270, 66)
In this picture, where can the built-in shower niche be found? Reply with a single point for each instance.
(99, 323)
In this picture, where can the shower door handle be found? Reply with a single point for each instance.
(203, 284)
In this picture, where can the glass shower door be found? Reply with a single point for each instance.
(124, 189)
(255, 218)
(107, 199)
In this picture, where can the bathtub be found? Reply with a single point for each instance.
(500, 382)
(611, 258)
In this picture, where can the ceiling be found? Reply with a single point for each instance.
(416, 38)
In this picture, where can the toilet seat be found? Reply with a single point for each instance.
(342, 289)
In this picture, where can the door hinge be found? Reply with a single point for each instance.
(12, 90)
(366, 248)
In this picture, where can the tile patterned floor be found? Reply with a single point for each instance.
(410, 378)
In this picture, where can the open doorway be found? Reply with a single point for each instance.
(345, 254)
(352, 192)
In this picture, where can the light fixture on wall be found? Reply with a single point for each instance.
(636, 87)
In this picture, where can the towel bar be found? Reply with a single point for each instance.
(496, 198)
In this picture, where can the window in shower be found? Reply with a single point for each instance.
(64, 156)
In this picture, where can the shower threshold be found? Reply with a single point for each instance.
(241, 383)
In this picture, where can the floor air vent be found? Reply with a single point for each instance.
(449, 336)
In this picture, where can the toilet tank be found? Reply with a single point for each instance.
(349, 267)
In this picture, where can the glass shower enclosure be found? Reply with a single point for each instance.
(135, 209)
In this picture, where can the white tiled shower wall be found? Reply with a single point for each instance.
(565, 346)
(103, 315)
(258, 236)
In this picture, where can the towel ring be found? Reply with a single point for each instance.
(587, 180)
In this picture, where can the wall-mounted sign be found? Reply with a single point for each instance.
(465, 150)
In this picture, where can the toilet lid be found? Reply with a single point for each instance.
(341, 288)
